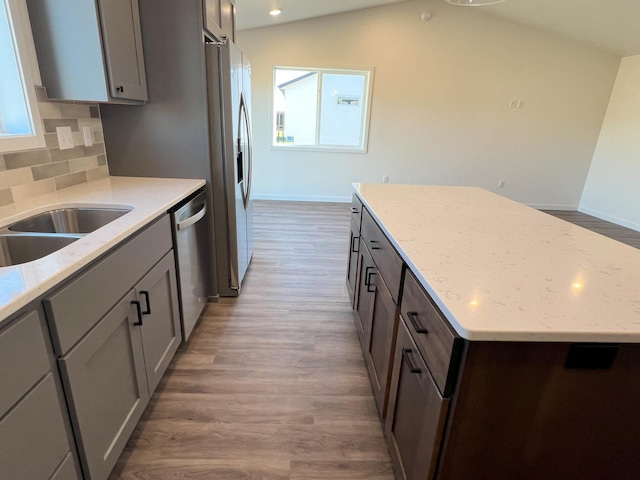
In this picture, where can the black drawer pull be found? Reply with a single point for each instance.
(138, 311)
(354, 210)
(374, 245)
(146, 298)
(354, 247)
(120, 89)
(367, 278)
(406, 352)
(413, 318)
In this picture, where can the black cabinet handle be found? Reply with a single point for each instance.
(354, 210)
(406, 352)
(146, 298)
(367, 278)
(373, 244)
(138, 311)
(120, 89)
(354, 248)
(413, 318)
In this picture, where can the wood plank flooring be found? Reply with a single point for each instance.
(271, 385)
(603, 227)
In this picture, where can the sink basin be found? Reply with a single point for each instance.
(17, 249)
(76, 220)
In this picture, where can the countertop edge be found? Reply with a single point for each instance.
(97, 243)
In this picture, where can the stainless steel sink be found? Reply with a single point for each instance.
(74, 220)
(17, 249)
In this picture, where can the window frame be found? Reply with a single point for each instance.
(26, 55)
(368, 73)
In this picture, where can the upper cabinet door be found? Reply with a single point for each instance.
(220, 18)
(122, 41)
(89, 50)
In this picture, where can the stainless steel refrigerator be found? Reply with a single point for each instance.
(196, 124)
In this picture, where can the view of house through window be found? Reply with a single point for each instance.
(321, 108)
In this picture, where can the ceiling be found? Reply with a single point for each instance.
(612, 26)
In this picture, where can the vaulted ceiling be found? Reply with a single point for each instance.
(612, 26)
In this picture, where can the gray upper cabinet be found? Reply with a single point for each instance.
(220, 18)
(89, 50)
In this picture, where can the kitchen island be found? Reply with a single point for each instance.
(515, 336)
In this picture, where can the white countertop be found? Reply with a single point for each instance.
(500, 270)
(149, 197)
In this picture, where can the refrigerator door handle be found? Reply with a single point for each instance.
(244, 115)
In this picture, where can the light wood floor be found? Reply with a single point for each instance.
(608, 229)
(271, 385)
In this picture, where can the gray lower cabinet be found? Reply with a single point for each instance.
(352, 264)
(89, 50)
(35, 434)
(116, 327)
(161, 336)
(105, 381)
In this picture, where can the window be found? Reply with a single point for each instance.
(20, 126)
(324, 109)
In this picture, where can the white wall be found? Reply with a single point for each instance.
(612, 190)
(440, 108)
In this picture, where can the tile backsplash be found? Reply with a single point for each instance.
(28, 173)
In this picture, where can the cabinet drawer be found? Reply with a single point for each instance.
(417, 413)
(78, 305)
(33, 438)
(384, 255)
(356, 211)
(437, 343)
(23, 358)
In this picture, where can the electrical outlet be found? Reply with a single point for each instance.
(65, 138)
(513, 103)
(88, 136)
(500, 183)
(520, 103)
(385, 179)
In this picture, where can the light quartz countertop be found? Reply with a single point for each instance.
(500, 270)
(149, 197)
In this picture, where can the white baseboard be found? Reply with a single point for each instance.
(301, 198)
(551, 206)
(610, 218)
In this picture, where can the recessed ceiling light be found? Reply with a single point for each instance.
(275, 12)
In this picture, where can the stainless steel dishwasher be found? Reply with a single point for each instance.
(192, 260)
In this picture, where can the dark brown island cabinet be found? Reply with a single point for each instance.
(455, 409)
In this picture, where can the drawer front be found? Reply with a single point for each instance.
(33, 438)
(23, 358)
(417, 413)
(437, 343)
(384, 255)
(356, 211)
(66, 471)
(78, 305)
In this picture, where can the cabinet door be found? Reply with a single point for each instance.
(364, 303)
(106, 388)
(380, 342)
(416, 415)
(122, 40)
(33, 438)
(228, 16)
(352, 265)
(158, 296)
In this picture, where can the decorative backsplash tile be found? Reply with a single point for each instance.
(29, 173)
